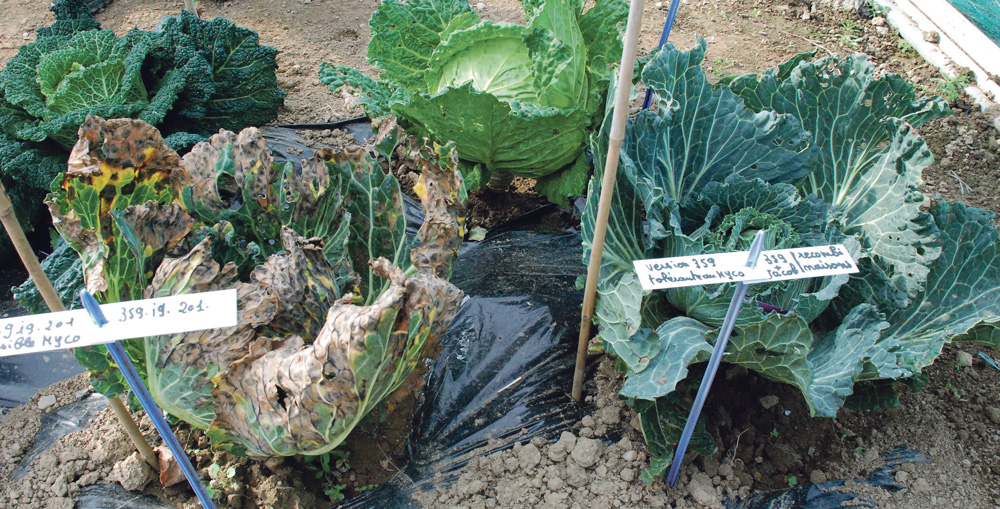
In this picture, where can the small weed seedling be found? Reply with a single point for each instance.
(952, 88)
(850, 34)
(220, 478)
(332, 468)
(719, 66)
(905, 48)
(954, 392)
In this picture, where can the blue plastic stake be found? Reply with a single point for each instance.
(667, 25)
(988, 359)
(155, 415)
(713, 363)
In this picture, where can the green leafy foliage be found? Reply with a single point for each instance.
(65, 270)
(515, 99)
(812, 153)
(336, 306)
(190, 79)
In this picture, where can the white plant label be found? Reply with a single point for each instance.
(705, 269)
(803, 262)
(133, 319)
(776, 265)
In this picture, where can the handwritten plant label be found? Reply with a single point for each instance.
(803, 262)
(703, 269)
(776, 265)
(133, 319)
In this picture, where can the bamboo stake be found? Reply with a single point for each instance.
(617, 136)
(48, 293)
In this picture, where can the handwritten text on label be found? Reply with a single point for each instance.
(776, 265)
(134, 319)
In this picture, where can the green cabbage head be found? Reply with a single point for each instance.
(813, 152)
(517, 99)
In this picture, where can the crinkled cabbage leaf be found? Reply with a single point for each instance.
(336, 307)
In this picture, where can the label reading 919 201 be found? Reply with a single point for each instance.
(134, 319)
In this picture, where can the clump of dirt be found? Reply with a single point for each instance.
(964, 145)
(765, 440)
(76, 460)
(328, 137)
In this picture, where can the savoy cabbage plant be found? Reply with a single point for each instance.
(515, 99)
(336, 306)
(813, 153)
(189, 79)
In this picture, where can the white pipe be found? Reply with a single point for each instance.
(961, 43)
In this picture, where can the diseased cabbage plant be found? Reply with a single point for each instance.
(189, 79)
(336, 306)
(517, 99)
(813, 153)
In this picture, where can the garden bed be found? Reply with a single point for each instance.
(761, 444)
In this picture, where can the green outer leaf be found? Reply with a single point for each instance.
(681, 339)
(699, 134)
(865, 160)
(618, 322)
(26, 172)
(776, 347)
(838, 358)
(18, 77)
(104, 374)
(404, 35)
(602, 26)
(521, 138)
(374, 96)
(558, 187)
(963, 287)
(378, 223)
(841, 103)
(624, 241)
(64, 269)
(617, 310)
(884, 208)
(558, 53)
(662, 422)
(987, 334)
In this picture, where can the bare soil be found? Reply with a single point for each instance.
(764, 437)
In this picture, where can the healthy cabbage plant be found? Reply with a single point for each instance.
(813, 153)
(336, 306)
(517, 99)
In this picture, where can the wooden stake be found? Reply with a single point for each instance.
(48, 293)
(617, 136)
